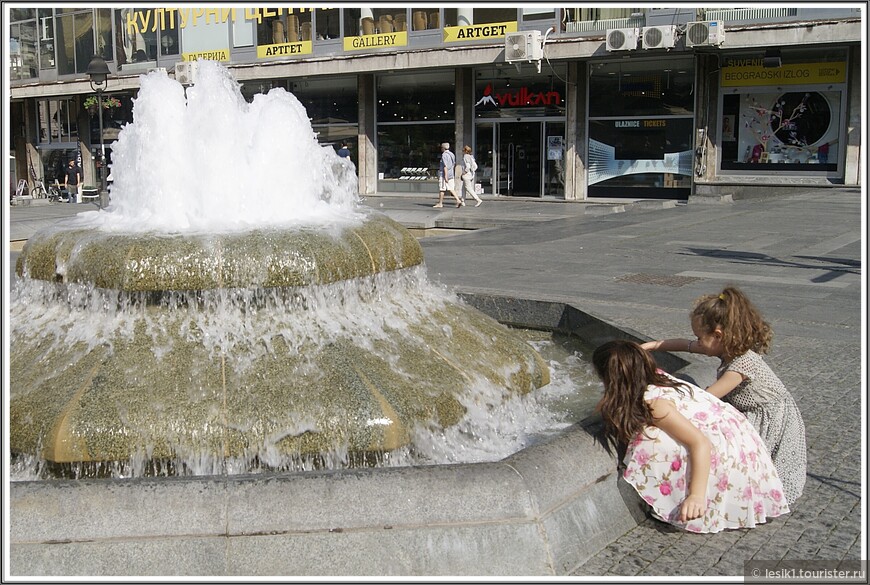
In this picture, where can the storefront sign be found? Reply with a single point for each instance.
(214, 55)
(519, 98)
(494, 30)
(151, 19)
(379, 41)
(284, 49)
(640, 124)
(748, 72)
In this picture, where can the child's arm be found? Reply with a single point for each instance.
(728, 382)
(668, 419)
(678, 344)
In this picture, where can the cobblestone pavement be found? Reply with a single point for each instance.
(799, 257)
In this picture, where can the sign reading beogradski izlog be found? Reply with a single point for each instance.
(744, 72)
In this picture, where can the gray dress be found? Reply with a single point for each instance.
(771, 409)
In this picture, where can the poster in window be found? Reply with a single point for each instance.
(728, 128)
(554, 148)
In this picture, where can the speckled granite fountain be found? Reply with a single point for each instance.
(234, 306)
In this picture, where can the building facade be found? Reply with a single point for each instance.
(560, 103)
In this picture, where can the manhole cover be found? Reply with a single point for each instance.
(659, 279)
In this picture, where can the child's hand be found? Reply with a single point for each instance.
(650, 345)
(692, 507)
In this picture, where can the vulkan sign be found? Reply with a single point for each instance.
(524, 97)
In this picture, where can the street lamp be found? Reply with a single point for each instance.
(98, 72)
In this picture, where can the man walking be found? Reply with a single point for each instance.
(446, 179)
(73, 182)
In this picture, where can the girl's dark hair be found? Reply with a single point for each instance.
(626, 370)
(743, 327)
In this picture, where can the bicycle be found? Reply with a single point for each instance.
(39, 191)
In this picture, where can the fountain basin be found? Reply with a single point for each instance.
(542, 511)
(258, 348)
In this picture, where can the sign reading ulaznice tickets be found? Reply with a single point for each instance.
(150, 19)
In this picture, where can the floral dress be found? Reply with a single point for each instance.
(771, 409)
(743, 489)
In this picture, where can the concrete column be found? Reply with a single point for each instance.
(707, 85)
(464, 109)
(576, 151)
(852, 170)
(367, 168)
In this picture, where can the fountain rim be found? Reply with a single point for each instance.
(286, 256)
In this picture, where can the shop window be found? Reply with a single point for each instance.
(57, 121)
(45, 22)
(327, 22)
(781, 130)
(208, 37)
(642, 88)
(369, 21)
(17, 14)
(23, 61)
(425, 19)
(289, 25)
(654, 154)
(328, 101)
(103, 26)
(415, 113)
(469, 16)
(421, 97)
(139, 43)
(410, 152)
(535, 14)
(75, 42)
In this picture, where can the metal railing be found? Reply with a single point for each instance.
(751, 14)
(604, 24)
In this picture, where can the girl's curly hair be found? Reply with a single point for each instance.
(743, 327)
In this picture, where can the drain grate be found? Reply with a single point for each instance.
(659, 279)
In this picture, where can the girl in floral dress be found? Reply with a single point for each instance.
(694, 459)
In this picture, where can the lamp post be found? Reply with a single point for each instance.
(98, 72)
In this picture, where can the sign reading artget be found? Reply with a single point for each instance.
(749, 72)
(395, 39)
(284, 49)
(494, 30)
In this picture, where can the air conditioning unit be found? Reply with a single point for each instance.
(621, 39)
(705, 33)
(659, 37)
(185, 72)
(523, 46)
(157, 69)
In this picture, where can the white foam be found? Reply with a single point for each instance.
(209, 161)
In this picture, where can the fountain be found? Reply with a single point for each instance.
(234, 307)
(233, 317)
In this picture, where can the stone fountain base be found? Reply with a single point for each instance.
(542, 511)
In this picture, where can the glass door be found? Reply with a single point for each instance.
(486, 156)
(519, 159)
(554, 172)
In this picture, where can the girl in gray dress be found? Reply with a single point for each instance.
(729, 327)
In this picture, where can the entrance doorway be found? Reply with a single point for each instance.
(516, 160)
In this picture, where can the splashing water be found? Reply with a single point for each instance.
(203, 161)
(209, 161)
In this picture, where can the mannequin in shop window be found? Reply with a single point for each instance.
(755, 155)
